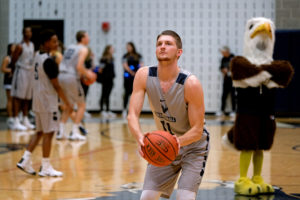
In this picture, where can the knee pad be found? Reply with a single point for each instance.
(150, 195)
(185, 195)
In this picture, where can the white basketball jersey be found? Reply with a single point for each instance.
(45, 98)
(25, 60)
(169, 109)
(70, 59)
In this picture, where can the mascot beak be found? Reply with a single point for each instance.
(263, 28)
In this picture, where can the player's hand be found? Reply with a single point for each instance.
(178, 143)
(141, 144)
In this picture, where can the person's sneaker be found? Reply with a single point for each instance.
(18, 126)
(82, 130)
(232, 114)
(111, 114)
(27, 123)
(124, 114)
(75, 135)
(61, 135)
(10, 123)
(104, 114)
(219, 114)
(25, 164)
(49, 171)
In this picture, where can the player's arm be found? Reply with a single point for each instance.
(83, 53)
(4, 65)
(15, 56)
(51, 69)
(136, 105)
(193, 94)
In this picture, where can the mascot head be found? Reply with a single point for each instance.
(259, 40)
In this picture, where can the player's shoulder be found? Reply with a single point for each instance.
(192, 82)
(143, 71)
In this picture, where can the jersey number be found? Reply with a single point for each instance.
(166, 127)
(36, 73)
(69, 53)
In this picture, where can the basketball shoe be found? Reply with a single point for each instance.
(47, 170)
(18, 126)
(61, 133)
(25, 164)
(75, 134)
(27, 123)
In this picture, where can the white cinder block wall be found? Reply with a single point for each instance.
(204, 25)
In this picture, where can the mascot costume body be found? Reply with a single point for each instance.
(256, 77)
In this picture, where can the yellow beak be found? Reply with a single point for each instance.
(263, 28)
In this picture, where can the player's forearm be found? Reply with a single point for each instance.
(134, 126)
(193, 135)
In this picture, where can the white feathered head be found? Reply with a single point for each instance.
(259, 40)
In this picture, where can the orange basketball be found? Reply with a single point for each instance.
(160, 148)
(90, 78)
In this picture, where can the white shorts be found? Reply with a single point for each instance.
(22, 83)
(47, 122)
(190, 162)
(72, 88)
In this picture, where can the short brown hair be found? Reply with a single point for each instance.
(80, 35)
(174, 35)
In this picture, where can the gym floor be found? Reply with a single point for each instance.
(107, 165)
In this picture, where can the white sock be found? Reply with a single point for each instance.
(27, 154)
(75, 128)
(17, 120)
(45, 161)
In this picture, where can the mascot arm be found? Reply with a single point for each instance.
(281, 71)
(245, 74)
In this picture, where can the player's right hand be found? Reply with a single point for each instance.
(141, 144)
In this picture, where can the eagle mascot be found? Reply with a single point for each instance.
(256, 77)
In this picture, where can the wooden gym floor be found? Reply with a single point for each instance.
(107, 165)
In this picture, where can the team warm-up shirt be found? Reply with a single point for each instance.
(169, 109)
(70, 60)
(45, 98)
(26, 58)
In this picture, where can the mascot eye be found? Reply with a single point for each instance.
(250, 26)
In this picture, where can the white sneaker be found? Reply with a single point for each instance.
(48, 170)
(61, 135)
(10, 123)
(27, 123)
(219, 113)
(18, 126)
(75, 135)
(124, 114)
(232, 114)
(111, 114)
(25, 164)
(104, 114)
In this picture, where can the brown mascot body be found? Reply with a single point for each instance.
(256, 77)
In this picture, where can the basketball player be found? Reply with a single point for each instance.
(45, 105)
(71, 69)
(22, 80)
(177, 103)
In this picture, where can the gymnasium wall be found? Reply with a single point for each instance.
(204, 26)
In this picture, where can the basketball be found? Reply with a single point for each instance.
(160, 148)
(90, 79)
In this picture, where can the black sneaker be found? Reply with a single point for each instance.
(83, 131)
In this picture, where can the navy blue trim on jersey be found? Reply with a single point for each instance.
(153, 71)
(181, 78)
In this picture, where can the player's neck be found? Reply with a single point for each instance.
(26, 40)
(168, 71)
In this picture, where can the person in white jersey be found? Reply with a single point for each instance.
(177, 103)
(22, 81)
(45, 105)
(71, 69)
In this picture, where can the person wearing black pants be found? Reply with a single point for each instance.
(107, 73)
(132, 61)
(227, 83)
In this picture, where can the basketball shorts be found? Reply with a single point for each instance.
(22, 83)
(47, 122)
(190, 162)
(72, 88)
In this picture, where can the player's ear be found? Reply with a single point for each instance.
(179, 52)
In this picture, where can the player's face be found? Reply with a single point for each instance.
(86, 39)
(28, 33)
(166, 49)
(53, 43)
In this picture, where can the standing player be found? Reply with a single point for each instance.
(177, 103)
(71, 69)
(22, 80)
(45, 105)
